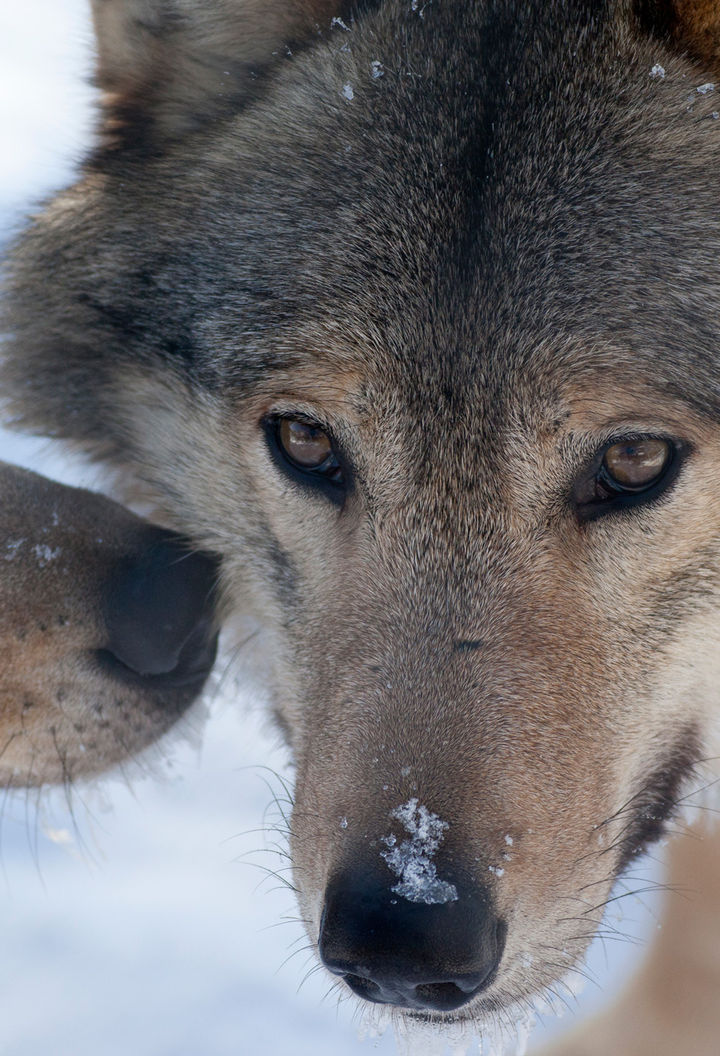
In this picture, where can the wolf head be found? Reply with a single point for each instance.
(416, 321)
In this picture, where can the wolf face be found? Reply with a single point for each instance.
(420, 333)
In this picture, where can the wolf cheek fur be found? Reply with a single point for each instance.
(474, 275)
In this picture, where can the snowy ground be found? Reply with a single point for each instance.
(129, 924)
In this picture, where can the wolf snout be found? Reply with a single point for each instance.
(415, 954)
(159, 613)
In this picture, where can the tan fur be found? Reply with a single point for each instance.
(696, 23)
(671, 1006)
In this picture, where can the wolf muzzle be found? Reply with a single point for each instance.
(159, 614)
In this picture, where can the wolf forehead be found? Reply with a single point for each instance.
(506, 180)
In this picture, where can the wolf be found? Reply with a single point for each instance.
(107, 631)
(410, 311)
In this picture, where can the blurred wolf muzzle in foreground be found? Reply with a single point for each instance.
(107, 631)
(411, 312)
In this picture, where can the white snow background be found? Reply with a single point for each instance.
(129, 926)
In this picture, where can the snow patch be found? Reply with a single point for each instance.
(704, 89)
(658, 72)
(347, 92)
(411, 860)
(11, 548)
(45, 554)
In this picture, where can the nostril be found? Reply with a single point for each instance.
(443, 997)
(159, 611)
(364, 987)
(437, 997)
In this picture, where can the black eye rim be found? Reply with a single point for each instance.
(316, 477)
(621, 498)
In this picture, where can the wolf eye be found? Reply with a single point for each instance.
(304, 444)
(634, 465)
(307, 448)
(628, 472)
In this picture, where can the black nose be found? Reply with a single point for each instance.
(159, 612)
(395, 951)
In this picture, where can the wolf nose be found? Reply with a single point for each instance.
(159, 612)
(388, 949)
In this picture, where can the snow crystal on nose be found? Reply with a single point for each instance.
(411, 860)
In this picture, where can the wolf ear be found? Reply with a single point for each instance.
(694, 25)
(168, 66)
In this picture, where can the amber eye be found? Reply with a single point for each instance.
(635, 465)
(306, 445)
(632, 471)
(307, 448)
